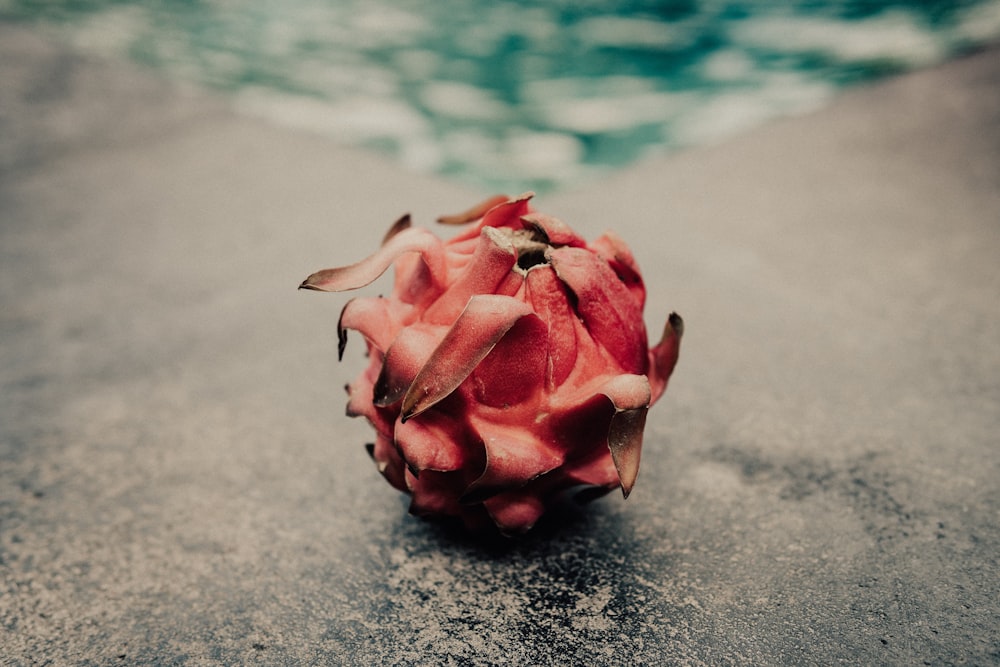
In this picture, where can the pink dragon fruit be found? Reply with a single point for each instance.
(508, 366)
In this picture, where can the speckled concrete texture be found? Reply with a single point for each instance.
(179, 485)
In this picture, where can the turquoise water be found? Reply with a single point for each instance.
(522, 95)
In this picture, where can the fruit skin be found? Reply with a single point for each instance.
(508, 365)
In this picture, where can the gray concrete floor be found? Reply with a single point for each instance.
(178, 484)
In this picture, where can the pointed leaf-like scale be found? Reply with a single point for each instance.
(611, 415)
(555, 231)
(505, 214)
(664, 356)
(491, 262)
(474, 213)
(608, 309)
(368, 270)
(371, 318)
(511, 462)
(388, 462)
(403, 361)
(414, 284)
(515, 368)
(590, 465)
(630, 395)
(485, 320)
(460, 251)
(625, 442)
(619, 256)
(548, 297)
(397, 227)
(359, 392)
(433, 442)
(627, 391)
(359, 402)
(510, 285)
(515, 512)
(581, 421)
(508, 214)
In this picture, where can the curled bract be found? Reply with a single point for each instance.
(508, 365)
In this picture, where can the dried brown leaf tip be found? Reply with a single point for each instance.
(508, 365)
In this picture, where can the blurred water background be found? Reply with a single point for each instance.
(522, 94)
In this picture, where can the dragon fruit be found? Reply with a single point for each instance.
(508, 366)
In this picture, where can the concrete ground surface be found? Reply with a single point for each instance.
(179, 485)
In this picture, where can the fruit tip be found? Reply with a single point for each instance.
(676, 323)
